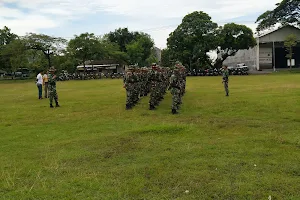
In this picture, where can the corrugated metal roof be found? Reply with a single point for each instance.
(278, 30)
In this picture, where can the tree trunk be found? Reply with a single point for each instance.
(219, 62)
(49, 60)
(84, 67)
(47, 54)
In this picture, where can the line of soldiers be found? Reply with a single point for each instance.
(155, 81)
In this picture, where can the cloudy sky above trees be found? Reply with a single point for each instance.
(158, 18)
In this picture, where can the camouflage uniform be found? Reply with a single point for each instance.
(52, 87)
(154, 90)
(175, 91)
(137, 86)
(225, 80)
(129, 82)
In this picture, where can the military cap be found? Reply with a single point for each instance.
(52, 69)
(178, 63)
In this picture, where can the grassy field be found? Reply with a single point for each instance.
(246, 146)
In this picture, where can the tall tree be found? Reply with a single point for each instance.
(111, 51)
(85, 47)
(286, 12)
(166, 58)
(16, 54)
(231, 38)
(140, 49)
(152, 58)
(193, 38)
(46, 44)
(289, 43)
(122, 37)
(6, 37)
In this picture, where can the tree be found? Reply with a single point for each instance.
(122, 37)
(6, 37)
(46, 44)
(286, 12)
(289, 43)
(152, 58)
(192, 39)
(85, 47)
(166, 58)
(111, 51)
(140, 49)
(231, 38)
(15, 52)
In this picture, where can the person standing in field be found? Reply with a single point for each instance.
(225, 79)
(52, 87)
(129, 86)
(45, 83)
(39, 84)
(175, 90)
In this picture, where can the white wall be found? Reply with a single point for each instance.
(243, 56)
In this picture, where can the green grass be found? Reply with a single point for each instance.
(246, 146)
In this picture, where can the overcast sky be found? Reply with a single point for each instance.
(65, 18)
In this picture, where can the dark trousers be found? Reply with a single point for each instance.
(40, 89)
(46, 90)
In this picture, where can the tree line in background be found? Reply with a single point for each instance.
(198, 35)
(38, 51)
(189, 43)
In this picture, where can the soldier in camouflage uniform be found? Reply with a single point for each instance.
(52, 87)
(154, 78)
(175, 90)
(144, 82)
(129, 86)
(225, 76)
(183, 76)
(136, 85)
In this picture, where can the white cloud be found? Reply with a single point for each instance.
(43, 14)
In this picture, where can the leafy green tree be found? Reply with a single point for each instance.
(286, 12)
(48, 45)
(111, 51)
(192, 39)
(122, 37)
(289, 43)
(15, 52)
(6, 37)
(85, 47)
(231, 38)
(197, 35)
(140, 50)
(166, 58)
(152, 58)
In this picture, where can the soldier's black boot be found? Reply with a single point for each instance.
(174, 111)
(128, 107)
(152, 107)
(51, 106)
(57, 105)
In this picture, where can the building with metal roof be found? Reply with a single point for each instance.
(269, 53)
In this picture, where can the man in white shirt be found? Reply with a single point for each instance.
(39, 84)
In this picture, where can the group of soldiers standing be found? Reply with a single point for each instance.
(140, 82)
